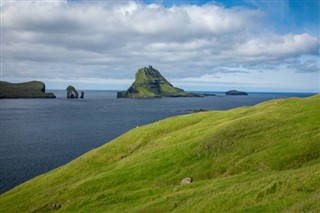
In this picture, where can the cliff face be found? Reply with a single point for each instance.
(32, 89)
(149, 83)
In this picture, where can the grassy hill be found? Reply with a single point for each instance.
(264, 158)
(32, 89)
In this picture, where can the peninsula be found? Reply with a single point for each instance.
(149, 83)
(32, 89)
(263, 158)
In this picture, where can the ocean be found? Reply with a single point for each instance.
(38, 135)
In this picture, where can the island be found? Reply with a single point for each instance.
(236, 92)
(32, 89)
(149, 83)
(72, 92)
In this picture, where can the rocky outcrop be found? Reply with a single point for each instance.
(149, 83)
(207, 94)
(235, 92)
(55, 206)
(81, 94)
(199, 110)
(32, 89)
(72, 92)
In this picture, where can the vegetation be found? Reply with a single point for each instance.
(32, 89)
(264, 158)
(149, 83)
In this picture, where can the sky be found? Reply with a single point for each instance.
(249, 45)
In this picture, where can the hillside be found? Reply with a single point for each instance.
(264, 158)
(149, 83)
(32, 89)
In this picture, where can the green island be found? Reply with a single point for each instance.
(264, 158)
(32, 89)
(149, 83)
(235, 92)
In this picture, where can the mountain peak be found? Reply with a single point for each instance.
(149, 83)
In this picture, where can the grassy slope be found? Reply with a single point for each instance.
(32, 89)
(264, 158)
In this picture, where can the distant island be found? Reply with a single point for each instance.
(72, 92)
(236, 92)
(149, 83)
(32, 89)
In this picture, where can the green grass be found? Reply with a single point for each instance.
(264, 158)
(32, 89)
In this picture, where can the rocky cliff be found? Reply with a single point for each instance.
(32, 89)
(149, 83)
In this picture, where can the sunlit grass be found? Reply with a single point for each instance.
(264, 158)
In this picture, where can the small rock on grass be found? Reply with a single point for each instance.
(186, 181)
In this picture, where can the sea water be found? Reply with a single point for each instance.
(38, 135)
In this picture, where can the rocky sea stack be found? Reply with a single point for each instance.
(81, 94)
(149, 83)
(236, 92)
(72, 92)
(32, 89)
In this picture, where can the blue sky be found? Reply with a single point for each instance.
(285, 15)
(249, 45)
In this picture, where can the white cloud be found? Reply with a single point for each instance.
(279, 46)
(110, 40)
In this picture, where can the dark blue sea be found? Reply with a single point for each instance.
(38, 135)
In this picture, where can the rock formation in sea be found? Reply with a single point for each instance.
(235, 92)
(32, 89)
(149, 83)
(81, 94)
(72, 92)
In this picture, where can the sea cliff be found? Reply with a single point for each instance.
(32, 89)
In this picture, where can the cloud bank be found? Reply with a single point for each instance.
(111, 40)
